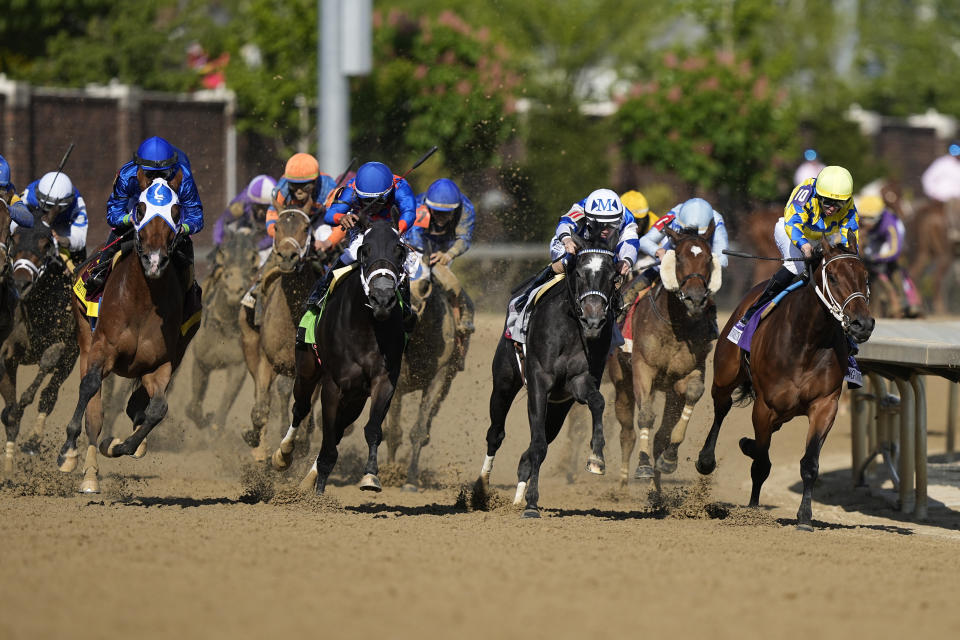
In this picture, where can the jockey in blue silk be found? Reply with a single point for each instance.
(820, 207)
(156, 158)
(62, 206)
(601, 213)
(378, 194)
(8, 192)
(443, 230)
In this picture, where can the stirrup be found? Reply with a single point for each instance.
(248, 300)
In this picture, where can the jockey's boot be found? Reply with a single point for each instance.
(541, 278)
(319, 291)
(407, 314)
(97, 277)
(780, 281)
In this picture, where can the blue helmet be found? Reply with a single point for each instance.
(156, 154)
(374, 180)
(443, 195)
(4, 173)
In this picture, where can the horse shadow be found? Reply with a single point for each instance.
(834, 488)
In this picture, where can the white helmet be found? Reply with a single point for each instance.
(697, 213)
(603, 206)
(54, 189)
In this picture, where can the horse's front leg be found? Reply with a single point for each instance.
(622, 377)
(50, 393)
(538, 384)
(261, 409)
(381, 392)
(201, 379)
(584, 390)
(420, 434)
(155, 384)
(507, 383)
(688, 391)
(12, 412)
(643, 376)
(822, 414)
(727, 375)
(235, 376)
(89, 386)
(304, 384)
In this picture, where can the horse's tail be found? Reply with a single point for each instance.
(743, 395)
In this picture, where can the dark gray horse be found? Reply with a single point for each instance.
(429, 366)
(44, 331)
(359, 346)
(235, 265)
(568, 340)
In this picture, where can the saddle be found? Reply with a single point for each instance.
(626, 329)
(741, 335)
(520, 308)
(90, 300)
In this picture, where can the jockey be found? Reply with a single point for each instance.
(601, 213)
(817, 208)
(636, 203)
(883, 246)
(377, 193)
(155, 158)
(8, 192)
(248, 210)
(443, 230)
(55, 197)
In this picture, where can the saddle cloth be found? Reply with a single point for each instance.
(742, 335)
(308, 322)
(518, 320)
(91, 304)
(627, 329)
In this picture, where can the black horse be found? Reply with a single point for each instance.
(359, 346)
(44, 330)
(568, 341)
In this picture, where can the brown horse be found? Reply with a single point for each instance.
(673, 329)
(235, 265)
(142, 332)
(269, 352)
(795, 367)
(44, 332)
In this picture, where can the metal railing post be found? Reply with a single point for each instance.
(907, 444)
(920, 393)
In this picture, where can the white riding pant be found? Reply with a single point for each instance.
(787, 248)
(411, 265)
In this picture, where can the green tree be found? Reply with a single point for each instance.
(714, 122)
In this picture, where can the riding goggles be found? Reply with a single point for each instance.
(831, 203)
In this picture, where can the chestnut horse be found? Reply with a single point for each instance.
(795, 367)
(141, 332)
(673, 330)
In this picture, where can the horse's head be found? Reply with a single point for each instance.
(594, 279)
(690, 270)
(291, 238)
(841, 283)
(157, 225)
(32, 250)
(381, 258)
(237, 259)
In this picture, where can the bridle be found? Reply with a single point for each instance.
(578, 300)
(301, 248)
(395, 272)
(837, 309)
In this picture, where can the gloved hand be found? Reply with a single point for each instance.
(442, 258)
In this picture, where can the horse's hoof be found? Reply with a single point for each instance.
(251, 437)
(90, 485)
(411, 488)
(804, 527)
(141, 450)
(32, 446)
(595, 465)
(67, 462)
(643, 472)
(530, 512)
(705, 466)
(370, 482)
(110, 449)
(664, 465)
(280, 460)
(309, 482)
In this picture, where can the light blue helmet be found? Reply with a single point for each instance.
(4, 173)
(696, 213)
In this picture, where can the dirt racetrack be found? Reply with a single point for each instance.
(195, 542)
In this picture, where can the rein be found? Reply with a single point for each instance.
(826, 296)
(301, 249)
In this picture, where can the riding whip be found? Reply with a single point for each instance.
(343, 176)
(420, 161)
(63, 163)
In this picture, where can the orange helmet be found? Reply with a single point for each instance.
(301, 167)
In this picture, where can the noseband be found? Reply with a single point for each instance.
(394, 272)
(837, 309)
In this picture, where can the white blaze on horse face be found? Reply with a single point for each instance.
(695, 250)
(154, 262)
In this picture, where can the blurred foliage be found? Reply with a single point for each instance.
(436, 81)
(27, 25)
(712, 121)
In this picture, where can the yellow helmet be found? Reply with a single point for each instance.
(835, 183)
(870, 207)
(635, 202)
